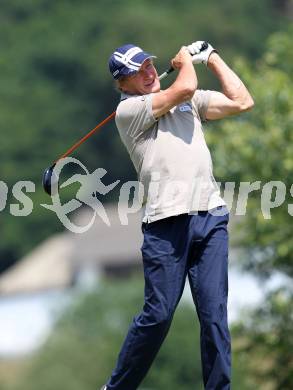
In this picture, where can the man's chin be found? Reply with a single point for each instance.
(154, 88)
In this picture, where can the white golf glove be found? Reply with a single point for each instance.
(199, 53)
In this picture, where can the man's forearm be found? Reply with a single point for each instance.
(186, 78)
(231, 84)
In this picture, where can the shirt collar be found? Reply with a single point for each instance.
(126, 96)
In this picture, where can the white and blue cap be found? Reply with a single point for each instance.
(127, 60)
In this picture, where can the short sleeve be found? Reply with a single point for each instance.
(135, 115)
(200, 102)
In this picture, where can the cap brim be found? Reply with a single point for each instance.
(138, 59)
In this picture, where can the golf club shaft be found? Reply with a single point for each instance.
(165, 74)
(78, 143)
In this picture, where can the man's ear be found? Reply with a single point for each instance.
(118, 86)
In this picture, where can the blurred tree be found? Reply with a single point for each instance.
(258, 146)
(82, 351)
(55, 85)
(264, 343)
(52, 70)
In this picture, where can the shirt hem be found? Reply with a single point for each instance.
(147, 218)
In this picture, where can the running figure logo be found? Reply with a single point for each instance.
(91, 187)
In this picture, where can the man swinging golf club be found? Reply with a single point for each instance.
(185, 219)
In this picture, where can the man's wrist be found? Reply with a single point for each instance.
(187, 64)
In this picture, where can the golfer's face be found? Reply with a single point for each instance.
(145, 81)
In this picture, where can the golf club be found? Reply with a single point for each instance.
(50, 179)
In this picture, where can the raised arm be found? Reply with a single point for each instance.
(183, 87)
(235, 97)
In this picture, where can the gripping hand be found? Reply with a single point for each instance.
(200, 52)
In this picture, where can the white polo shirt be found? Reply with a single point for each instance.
(170, 155)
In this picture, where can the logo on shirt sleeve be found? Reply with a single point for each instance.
(185, 107)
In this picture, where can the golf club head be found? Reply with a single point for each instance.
(50, 181)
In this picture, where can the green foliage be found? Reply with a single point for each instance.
(55, 85)
(265, 343)
(82, 351)
(258, 146)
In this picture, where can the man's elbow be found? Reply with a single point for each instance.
(188, 91)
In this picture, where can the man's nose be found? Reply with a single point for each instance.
(148, 73)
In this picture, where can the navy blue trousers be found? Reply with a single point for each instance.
(174, 248)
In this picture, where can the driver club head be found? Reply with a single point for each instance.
(50, 181)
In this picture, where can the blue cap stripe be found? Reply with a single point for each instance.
(126, 60)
